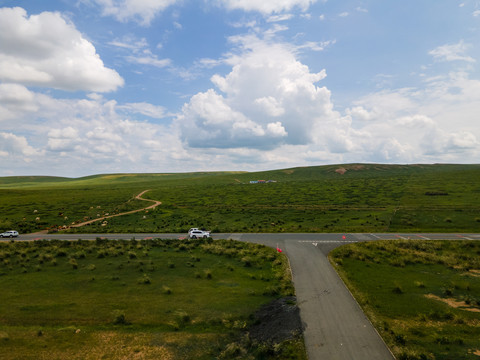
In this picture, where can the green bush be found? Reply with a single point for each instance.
(73, 262)
(119, 318)
(145, 279)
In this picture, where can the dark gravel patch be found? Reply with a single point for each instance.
(277, 321)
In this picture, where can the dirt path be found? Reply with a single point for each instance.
(138, 197)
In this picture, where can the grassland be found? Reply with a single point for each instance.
(155, 299)
(422, 296)
(334, 198)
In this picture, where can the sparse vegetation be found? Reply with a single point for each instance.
(122, 306)
(423, 309)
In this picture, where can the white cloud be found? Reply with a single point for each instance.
(270, 106)
(47, 50)
(476, 13)
(81, 136)
(141, 11)
(153, 111)
(149, 59)
(452, 52)
(316, 46)
(436, 123)
(276, 129)
(277, 18)
(267, 6)
(268, 99)
(15, 146)
(61, 140)
(14, 100)
(130, 43)
(416, 122)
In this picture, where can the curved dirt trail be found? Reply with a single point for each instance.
(138, 197)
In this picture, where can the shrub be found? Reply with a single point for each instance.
(144, 280)
(4, 336)
(247, 261)
(272, 291)
(119, 318)
(447, 292)
(61, 253)
(233, 350)
(442, 340)
(74, 263)
(181, 320)
(208, 273)
(397, 290)
(413, 355)
(80, 255)
(419, 284)
(400, 339)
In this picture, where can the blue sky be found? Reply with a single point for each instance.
(107, 86)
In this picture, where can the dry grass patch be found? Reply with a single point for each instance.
(457, 304)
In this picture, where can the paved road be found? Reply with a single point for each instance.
(335, 326)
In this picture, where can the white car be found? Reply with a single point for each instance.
(195, 233)
(10, 234)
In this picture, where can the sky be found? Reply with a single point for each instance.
(154, 86)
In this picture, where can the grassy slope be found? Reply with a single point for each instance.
(366, 198)
(392, 279)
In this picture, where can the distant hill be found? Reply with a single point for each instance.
(330, 198)
(296, 173)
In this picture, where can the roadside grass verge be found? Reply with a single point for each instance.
(124, 299)
(423, 297)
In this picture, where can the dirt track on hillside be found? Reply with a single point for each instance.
(138, 197)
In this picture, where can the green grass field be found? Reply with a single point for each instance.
(155, 299)
(364, 198)
(422, 296)
(193, 300)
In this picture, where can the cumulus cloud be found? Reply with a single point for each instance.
(93, 134)
(47, 50)
(268, 99)
(65, 139)
(14, 100)
(15, 146)
(435, 123)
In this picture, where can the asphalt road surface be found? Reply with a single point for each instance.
(335, 326)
